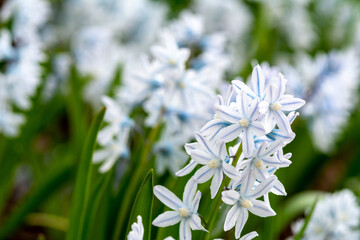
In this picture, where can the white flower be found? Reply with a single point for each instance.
(256, 167)
(216, 162)
(137, 230)
(242, 118)
(271, 94)
(184, 211)
(112, 151)
(118, 121)
(169, 54)
(336, 216)
(244, 201)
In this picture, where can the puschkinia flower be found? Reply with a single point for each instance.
(184, 211)
(113, 138)
(243, 122)
(253, 116)
(328, 83)
(271, 94)
(336, 216)
(244, 200)
(117, 121)
(137, 230)
(21, 54)
(169, 54)
(215, 161)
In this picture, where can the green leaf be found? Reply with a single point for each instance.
(82, 194)
(293, 207)
(98, 217)
(300, 234)
(55, 179)
(143, 205)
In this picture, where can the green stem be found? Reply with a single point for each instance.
(140, 170)
(218, 201)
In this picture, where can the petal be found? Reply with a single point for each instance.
(261, 209)
(200, 156)
(168, 218)
(205, 144)
(187, 169)
(231, 217)
(203, 174)
(227, 114)
(195, 223)
(230, 197)
(247, 180)
(213, 126)
(240, 223)
(189, 192)
(216, 182)
(108, 164)
(258, 81)
(100, 155)
(248, 143)
(185, 232)
(167, 197)
(278, 188)
(242, 102)
(229, 133)
(282, 121)
(230, 171)
(221, 150)
(263, 188)
(253, 109)
(289, 103)
(271, 149)
(240, 85)
(191, 146)
(196, 201)
(258, 128)
(249, 236)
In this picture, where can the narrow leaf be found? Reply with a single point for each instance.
(300, 234)
(143, 205)
(83, 182)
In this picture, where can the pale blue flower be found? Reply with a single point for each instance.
(184, 211)
(336, 216)
(215, 161)
(244, 200)
(137, 230)
(242, 118)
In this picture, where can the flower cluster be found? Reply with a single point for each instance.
(102, 35)
(329, 84)
(21, 51)
(175, 86)
(336, 216)
(258, 117)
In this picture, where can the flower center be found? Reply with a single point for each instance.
(182, 85)
(213, 163)
(259, 164)
(246, 203)
(276, 106)
(216, 116)
(244, 122)
(183, 212)
(172, 61)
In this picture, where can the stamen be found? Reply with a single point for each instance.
(246, 203)
(244, 122)
(183, 212)
(276, 106)
(259, 164)
(213, 163)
